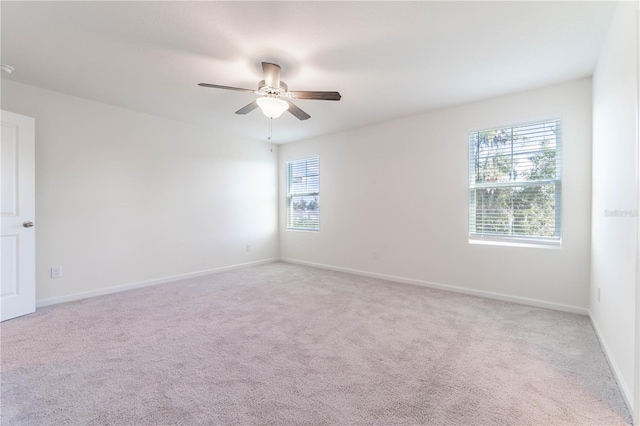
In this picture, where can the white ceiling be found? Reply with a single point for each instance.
(387, 59)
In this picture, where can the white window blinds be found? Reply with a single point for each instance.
(303, 194)
(515, 177)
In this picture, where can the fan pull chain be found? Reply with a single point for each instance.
(271, 133)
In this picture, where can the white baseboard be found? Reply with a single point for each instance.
(465, 290)
(110, 290)
(626, 393)
(456, 289)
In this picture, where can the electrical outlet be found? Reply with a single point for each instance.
(56, 272)
(375, 255)
(598, 294)
(248, 247)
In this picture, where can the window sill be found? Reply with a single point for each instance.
(515, 242)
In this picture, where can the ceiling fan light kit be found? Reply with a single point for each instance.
(272, 107)
(276, 97)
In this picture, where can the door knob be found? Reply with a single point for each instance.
(27, 224)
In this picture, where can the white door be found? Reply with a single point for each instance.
(18, 250)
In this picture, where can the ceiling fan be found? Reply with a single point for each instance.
(275, 95)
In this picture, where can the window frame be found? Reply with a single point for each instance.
(290, 195)
(518, 240)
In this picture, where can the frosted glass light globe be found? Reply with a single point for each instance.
(272, 107)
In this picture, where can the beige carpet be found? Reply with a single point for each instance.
(283, 344)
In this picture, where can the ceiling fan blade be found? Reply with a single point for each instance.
(297, 112)
(215, 86)
(325, 96)
(271, 74)
(247, 109)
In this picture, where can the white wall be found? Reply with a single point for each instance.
(613, 246)
(124, 197)
(400, 188)
(636, 403)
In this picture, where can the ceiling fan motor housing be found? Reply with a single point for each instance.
(264, 89)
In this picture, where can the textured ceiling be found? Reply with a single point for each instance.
(387, 59)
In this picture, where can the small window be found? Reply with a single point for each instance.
(303, 194)
(515, 184)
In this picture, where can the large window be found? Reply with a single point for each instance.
(303, 194)
(515, 179)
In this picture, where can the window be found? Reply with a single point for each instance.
(515, 184)
(303, 194)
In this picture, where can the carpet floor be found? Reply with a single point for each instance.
(283, 344)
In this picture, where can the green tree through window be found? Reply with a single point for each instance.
(515, 182)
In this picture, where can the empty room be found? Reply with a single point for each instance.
(320, 213)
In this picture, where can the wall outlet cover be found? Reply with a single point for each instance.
(56, 272)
